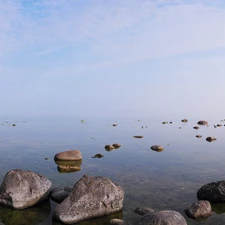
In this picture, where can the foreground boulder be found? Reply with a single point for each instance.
(213, 192)
(165, 217)
(21, 189)
(90, 197)
(200, 209)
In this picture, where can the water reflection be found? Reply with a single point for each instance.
(37, 215)
(68, 166)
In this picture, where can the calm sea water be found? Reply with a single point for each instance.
(161, 180)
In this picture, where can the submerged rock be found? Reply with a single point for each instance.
(90, 197)
(184, 120)
(196, 127)
(198, 136)
(68, 166)
(142, 211)
(157, 148)
(199, 209)
(70, 155)
(213, 192)
(165, 217)
(21, 189)
(116, 145)
(109, 147)
(138, 136)
(97, 156)
(59, 194)
(118, 222)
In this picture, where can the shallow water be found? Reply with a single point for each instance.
(160, 180)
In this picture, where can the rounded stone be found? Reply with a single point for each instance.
(143, 211)
(138, 136)
(98, 155)
(200, 209)
(164, 217)
(184, 120)
(116, 145)
(202, 122)
(157, 148)
(109, 147)
(209, 139)
(196, 127)
(198, 136)
(70, 155)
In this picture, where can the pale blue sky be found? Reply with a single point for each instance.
(116, 58)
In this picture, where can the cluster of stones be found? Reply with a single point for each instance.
(91, 196)
(113, 146)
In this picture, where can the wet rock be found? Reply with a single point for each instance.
(196, 127)
(157, 148)
(219, 125)
(70, 155)
(21, 189)
(138, 136)
(118, 222)
(184, 120)
(59, 194)
(200, 209)
(198, 136)
(114, 124)
(97, 156)
(213, 192)
(165, 217)
(90, 197)
(109, 147)
(142, 211)
(202, 122)
(116, 145)
(209, 139)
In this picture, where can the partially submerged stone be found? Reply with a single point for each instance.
(116, 145)
(59, 194)
(157, 148)
(90, 197)
(143, 210)
(68, 155)
(118, 222)
(184, 120)
(213, 192)
(164, 217)
(98, 155)
(198, 136)
(21, 189)
(196, 127)
(109, 147)
(209, 139)
(199, 209)
(138, 136)
(202, 122)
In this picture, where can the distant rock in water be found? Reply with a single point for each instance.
(209, 139)
(116, 145)
(114, 125)
(198, 136)
(202, 122)
(196, 127)
(109, 147)
(157, 148)
(70, 155)
(219, 125)
(97, 156)
(184, 120)
(138, 136)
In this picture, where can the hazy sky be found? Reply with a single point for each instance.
(112, 58)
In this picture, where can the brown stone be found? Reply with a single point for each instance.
(68, 155)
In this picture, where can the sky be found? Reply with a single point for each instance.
(112, 58)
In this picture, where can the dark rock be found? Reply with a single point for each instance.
(13, 124)
(198, 136)
(98, 156)
(157, 148)
(138, 136)
(213, 192)
(200, 209)
(21, 189)
(184, 120)
(202, 122)
(59, 194)
(90, 197)
(143, 211)
(219, 125)
(165, 217)
(114, 124)
(70, 155)
(196, 127)
(209, 139)
(116, 145)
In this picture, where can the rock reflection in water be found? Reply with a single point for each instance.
(68, 166)
(37, 215)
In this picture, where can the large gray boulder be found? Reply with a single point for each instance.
(90, 197)
(164, 217)
(21, 189)
(213, 192)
